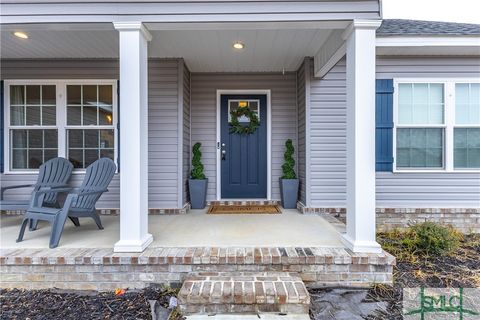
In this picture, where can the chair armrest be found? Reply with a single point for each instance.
(3, 189)
(87, 192)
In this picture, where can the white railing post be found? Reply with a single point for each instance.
(360, 48)
(134, 236)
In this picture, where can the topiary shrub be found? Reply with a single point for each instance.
(197, 170)
(288, 161)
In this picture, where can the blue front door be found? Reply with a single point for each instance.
(243, 157)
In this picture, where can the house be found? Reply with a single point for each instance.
(384, 117)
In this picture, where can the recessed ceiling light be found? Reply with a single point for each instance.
(21, 35)
(238, 45)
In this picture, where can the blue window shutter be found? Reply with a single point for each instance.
(384, 125)
(118, 125)
(1, 126)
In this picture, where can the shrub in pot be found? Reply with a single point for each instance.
(197, 184)
(289, 182)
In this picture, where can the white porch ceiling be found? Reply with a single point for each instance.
(203, 50)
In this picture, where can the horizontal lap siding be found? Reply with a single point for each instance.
(327, 139)
(203, 115)
(428, 189)
(328, 144)
(301, 101)
(162, 123)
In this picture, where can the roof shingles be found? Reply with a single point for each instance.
(401, 27)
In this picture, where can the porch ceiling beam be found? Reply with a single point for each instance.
(332, 51)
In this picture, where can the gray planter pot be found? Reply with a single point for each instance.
(289, 193)
(198, 193)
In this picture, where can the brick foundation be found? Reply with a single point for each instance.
(102, 269)
(466, 220)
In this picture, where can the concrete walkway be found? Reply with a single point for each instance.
(195, 229)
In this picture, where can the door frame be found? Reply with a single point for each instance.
(221, 92)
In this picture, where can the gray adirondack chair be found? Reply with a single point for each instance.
(80, 202)
(54, 173)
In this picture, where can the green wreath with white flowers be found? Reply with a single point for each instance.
(237, 128)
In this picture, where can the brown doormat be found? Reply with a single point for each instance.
(244, 209)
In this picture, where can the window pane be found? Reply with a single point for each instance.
(17, 115)
(50, 138)
(19, 138)
(419, 148)
(35, 139)
(467, 103)
(33, 115)
(17, 95)
(467, 148)
(75, 138)
(106, 153)
(35, 158)
(74, 115)
(90, 157)
(49, 154)
(105, 116)
(90, 95)
(106, 139)
(48, 95)
(105, 95)
(89, 114)
(19, 159)
(74, 95)
(48, 115)
(33, 95)
(76, 158)
(420, 103)
(91, 139)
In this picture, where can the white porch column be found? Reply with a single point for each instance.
(134, 236)
(360, 47)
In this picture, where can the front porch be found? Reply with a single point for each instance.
(307, 245)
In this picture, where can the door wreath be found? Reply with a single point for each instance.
(236, 127)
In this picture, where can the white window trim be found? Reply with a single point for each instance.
(61, 113)
(448, 125)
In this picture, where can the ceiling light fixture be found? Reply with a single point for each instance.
(21, 35)
(238, 45)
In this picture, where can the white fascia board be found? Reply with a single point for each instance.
(428, 41)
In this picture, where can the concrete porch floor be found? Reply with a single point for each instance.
(195, 229)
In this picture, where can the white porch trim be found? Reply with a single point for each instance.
(134, 236)
(269, 140)
(360, 48)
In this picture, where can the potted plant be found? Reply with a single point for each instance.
(197, 184)
(289, 182)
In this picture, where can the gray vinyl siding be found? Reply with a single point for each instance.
(328, 151)
(36, 11)
(204, 108)
(428, 189)
(163, 116)
(186, 133)
(301, 105)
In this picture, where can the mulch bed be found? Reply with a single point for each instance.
(68, 304)
(462, 269)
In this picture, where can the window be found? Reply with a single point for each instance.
(437, 125)
(253, 105)
(90, 131)
(72, 119)
(33, 132)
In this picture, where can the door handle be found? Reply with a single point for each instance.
(223, 154)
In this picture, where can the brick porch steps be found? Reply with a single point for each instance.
(244, 292)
